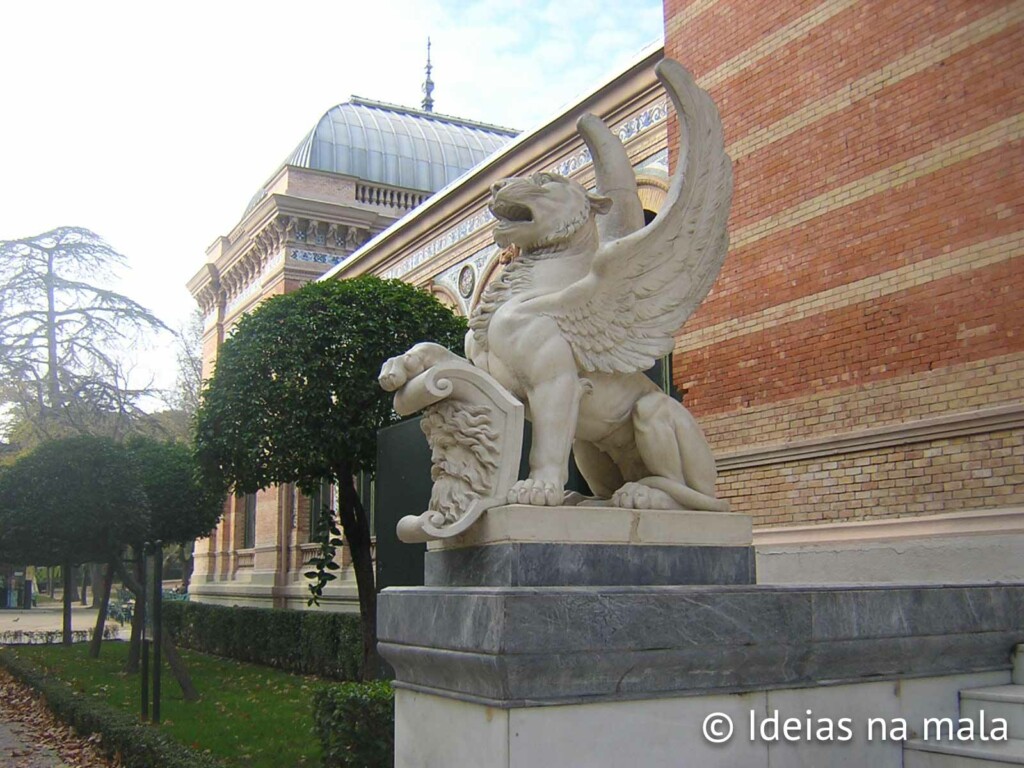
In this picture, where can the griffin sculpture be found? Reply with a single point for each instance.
(591, 301)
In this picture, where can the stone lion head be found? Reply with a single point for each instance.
(542, 211)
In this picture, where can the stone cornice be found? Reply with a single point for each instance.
(326, 211)
(334, 228)
(279, 225)
(924, 430)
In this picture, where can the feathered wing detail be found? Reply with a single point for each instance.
(641, 288)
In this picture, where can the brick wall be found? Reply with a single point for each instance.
(874, 275)
(949, 475)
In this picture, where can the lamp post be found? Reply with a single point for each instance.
(158, 581)
(140, 605)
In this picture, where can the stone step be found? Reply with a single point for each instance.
(1018, 664)
(935, 754)
(1005, 701)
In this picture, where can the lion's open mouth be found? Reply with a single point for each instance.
(509, 211)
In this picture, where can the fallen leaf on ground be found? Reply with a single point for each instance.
(40, 730)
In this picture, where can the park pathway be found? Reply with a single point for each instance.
(30, 736)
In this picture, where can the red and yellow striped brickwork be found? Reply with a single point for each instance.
(862, 353)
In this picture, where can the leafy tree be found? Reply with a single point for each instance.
(294, 399)
(60, 333)
(180, 509)
(70, 501)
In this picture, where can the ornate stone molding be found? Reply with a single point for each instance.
(208, 298)
(254, 285)
(320, 242)
(475, 432)
(630, 129)
(241, 277)
(445, 241)
(921, 431)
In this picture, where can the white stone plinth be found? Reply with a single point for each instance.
(668, 733)
(522, 524)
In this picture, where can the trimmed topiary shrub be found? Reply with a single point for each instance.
(306, 642)
(355, 723)
(139, 745)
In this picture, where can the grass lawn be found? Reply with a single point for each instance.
(249, 716)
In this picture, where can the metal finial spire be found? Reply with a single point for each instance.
(428, 85)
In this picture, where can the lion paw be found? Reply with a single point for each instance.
(395, 372)
(539, 493)
(640, 496)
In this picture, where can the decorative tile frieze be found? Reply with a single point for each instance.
(656, 165)
(627, 131)
(447, 240)
(315, 256)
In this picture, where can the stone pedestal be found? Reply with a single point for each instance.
(505, 668)
(523, 546)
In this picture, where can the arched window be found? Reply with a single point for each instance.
(652, 192)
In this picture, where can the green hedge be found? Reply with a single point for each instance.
(355, 723)
(138, 744)
(307, 642)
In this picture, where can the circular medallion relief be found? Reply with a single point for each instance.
(467, 281)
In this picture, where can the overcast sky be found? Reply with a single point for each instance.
(153, 124)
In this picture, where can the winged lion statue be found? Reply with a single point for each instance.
(593, 299)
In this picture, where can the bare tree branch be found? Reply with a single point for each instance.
(61, 333)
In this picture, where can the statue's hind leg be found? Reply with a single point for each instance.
(673, 448)
(597, 468)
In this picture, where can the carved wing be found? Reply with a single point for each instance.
(642, 287)
(614, 178)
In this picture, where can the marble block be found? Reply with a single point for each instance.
(512, 647)
(524, 546)
(587, 565)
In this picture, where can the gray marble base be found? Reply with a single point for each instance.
(514, 647)
(542, 565)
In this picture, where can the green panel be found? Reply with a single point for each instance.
(402, 488)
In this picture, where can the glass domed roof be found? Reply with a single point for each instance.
(396, 145)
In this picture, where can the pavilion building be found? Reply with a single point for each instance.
(859, 364)
(361, 167)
